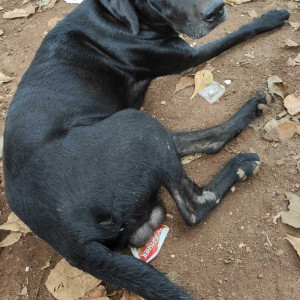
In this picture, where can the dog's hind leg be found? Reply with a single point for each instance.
(195, 203)
(211, 140)
(270, 20)
(125, 271)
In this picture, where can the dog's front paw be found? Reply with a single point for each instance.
(271, 20)
(246, 165)
(259, 103)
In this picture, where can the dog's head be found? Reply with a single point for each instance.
(194, 18)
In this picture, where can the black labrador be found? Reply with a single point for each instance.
(83, 166)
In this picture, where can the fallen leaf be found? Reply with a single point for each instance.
(277, 86)
(11, 239)
(19, 12)
(253, 14)
(282, 129)
(24, 2)
(295, 242)
(4, 78)
(290, 43)
(68, 283)
(286, 130)
(295, 25)
(131, 296)
(202, 79)
(188, 159)
(13, 223)
(183, 83)
(234, 2)
(292, 103)
(292, 217)
(53, 22)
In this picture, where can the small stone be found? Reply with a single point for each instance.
(280, 252)
(173, 255)
(260, 276)
(163, 102)
(169, 216)
(27, 269)
(279, 162)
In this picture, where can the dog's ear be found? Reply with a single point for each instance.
(123, 11)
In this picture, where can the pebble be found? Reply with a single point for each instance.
(279, 162)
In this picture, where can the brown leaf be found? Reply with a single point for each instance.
(202, 79)
(69, 283)
(277, 86)
(4, 78)
(20, 12)
(282, 129)
(290, 43)
(292, 103)
(13, 223)
(295, 242)
(295, 25)
(131, 296)
(183, 83)
(292, 217)
(53, 22)
(11, 239)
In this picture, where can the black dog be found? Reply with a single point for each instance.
(83, 166)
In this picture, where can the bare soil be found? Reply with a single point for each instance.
(206, 260)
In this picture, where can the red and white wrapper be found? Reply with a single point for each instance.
(152, 248)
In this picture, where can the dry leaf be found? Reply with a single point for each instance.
(188, 159)
(53, 22)
(19, 12)
(253, 14)
(183, 83)
(282, 129)
(277, 86)
(11, 239)
(234, 2)
(4, 79)
(292, 217)
(292, 103)
(131, 296)
(290, 43)
(295, 25)
(202, 79)
(292, 62)
(13, 223)
(24, 2)
(68, 283)
(295, 242)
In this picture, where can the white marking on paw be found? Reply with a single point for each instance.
(241, 173)
(206, 196)
(218, 200)
(193, 219)
(256, 168)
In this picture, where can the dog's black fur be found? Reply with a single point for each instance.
(83, 166)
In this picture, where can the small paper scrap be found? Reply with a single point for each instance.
(152, 248)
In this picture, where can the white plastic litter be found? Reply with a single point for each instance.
(213, 92)
(73, 1)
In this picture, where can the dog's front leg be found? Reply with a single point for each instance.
(268, 21)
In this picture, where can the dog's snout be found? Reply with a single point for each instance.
(214, 12)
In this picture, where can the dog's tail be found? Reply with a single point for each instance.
(125, 271)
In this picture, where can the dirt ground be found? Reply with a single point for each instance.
(206, 260)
